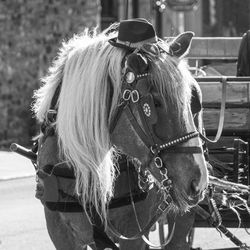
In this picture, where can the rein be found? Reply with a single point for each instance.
(161, 209)
(144, 231)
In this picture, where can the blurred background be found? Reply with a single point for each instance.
(32, 30)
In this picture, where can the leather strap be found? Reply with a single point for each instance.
(55, 96)
(116, 116)
(170, 236)
(76, 207)
(206, 216)
(185, 150)
(146, 240)
(162, 208)
(222, 113)
(146, 139)
(61, 169)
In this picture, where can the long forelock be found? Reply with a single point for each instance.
(172, 79)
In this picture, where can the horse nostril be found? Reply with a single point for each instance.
(194, 188)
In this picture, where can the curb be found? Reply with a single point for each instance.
(9, 178)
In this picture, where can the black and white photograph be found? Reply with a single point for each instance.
(124, 124)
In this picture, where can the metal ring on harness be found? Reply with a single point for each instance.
(158, 162)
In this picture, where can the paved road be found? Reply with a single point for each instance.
(22, 224)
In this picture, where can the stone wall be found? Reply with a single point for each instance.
(30, 33)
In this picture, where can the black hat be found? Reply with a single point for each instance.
(133, 33)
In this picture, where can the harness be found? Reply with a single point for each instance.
(135, 97)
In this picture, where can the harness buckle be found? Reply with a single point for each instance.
(135, 96)
(51, 115)
(164, 205)
(168, 199)
(166, 184)
(158, 162)
(126, 94)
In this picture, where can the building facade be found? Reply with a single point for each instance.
(207, 18)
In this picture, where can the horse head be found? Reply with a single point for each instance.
(153, 122)
(114, 97)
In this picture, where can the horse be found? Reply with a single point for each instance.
(99, 101)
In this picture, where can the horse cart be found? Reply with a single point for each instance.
(226, 100)
(226, 116)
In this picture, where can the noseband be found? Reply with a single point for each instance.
(133, 95)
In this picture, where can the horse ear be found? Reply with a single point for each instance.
(180, 46)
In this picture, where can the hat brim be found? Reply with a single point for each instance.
(132, 45)
(113, 42)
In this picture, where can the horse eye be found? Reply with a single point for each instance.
(157, 103)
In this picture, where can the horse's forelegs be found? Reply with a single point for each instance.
(69, 230)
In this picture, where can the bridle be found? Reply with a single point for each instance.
(133, 97)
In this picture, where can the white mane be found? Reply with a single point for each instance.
(83, 68)
(86, 67)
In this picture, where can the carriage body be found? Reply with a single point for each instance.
(230, 155)
(232, 148)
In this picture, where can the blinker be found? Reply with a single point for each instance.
(143, 86)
